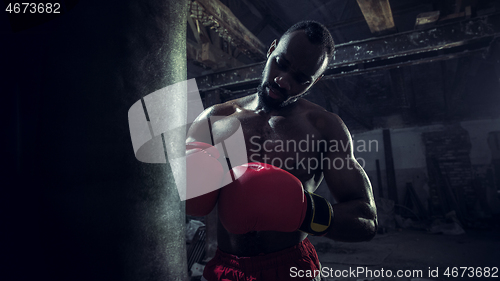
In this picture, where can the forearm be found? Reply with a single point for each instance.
(353, 221)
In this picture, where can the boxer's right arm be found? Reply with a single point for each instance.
(204, 172)
(201, 160)
(203, 178)
(200, 131)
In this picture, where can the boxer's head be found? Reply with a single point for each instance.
(295, 63)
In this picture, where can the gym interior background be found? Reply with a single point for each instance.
(421, 103)
(416, 82)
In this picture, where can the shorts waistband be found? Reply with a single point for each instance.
(267, 261)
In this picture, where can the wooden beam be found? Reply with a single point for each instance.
(378, 15)
(211, 56)
(195, 30)
(409, 48)
(218, 17)
(425, 20)
(402, 11)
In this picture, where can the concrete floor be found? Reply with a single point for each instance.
(413, 251)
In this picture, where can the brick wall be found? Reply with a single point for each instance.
(451, 149)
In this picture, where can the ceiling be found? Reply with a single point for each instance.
(397, 63)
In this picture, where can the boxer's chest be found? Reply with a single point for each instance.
(289, 143)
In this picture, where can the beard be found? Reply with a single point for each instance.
(267, 103)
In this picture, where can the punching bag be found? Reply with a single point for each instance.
(82, 207)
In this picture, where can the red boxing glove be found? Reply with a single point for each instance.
(204, 175)
(266, 198)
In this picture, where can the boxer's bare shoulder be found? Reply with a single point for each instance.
(200, 130)
(221, 109)
(225, 109)
(328, 123)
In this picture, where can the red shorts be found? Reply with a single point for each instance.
(285, 265)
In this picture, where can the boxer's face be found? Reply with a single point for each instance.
(292, 67)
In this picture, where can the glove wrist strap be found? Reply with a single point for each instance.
(319, 215)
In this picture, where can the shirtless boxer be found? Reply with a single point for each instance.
(269, 118)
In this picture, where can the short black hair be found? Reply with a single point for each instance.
(317, 34)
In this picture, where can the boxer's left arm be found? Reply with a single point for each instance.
(355, 215)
